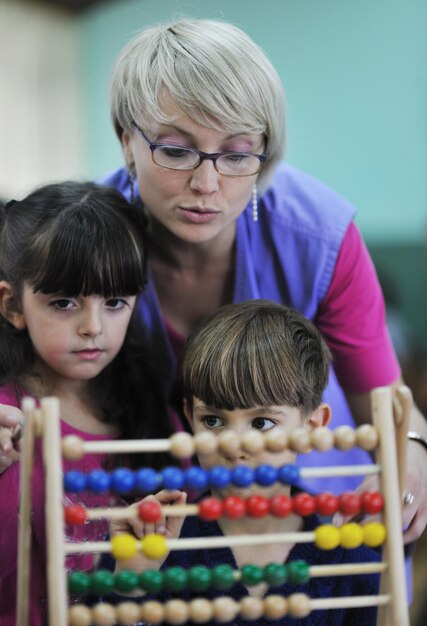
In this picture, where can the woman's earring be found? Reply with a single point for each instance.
(254, 204)
(131, 174)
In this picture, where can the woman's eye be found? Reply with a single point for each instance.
(263, 423)
(62, 304)
(212, 421)
(175, 153)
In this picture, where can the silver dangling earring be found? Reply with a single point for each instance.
(131, 174)
(254, 204)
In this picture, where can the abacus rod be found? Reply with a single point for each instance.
(339, 470)
(126, 445)
(350, 602)
(194, 543)
(345, 569)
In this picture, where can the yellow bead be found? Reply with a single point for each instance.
(352, 535)
(124, 546)
(374, 534)
(327, 537)
(154, 546)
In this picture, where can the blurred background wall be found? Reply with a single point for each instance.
(356, 83)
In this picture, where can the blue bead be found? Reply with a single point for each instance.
(288, 474)
(147, 480)
(196, 478)
(122, 480)
(266, 475)
(74, 481)
(219, 477)
(173, 478)
(98, 481)
(242, 476)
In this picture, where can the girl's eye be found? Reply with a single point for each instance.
(211, 421)
(116, 303)
(62, 304)
(263, 423)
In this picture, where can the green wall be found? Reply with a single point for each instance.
(355, 76)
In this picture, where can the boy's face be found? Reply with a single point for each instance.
(240, 421)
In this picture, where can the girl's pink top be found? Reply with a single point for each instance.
(9, 505)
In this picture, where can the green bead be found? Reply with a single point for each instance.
(175, 579)
(275, 574)
(199, 578)
(222, 577)
(102, 582)
(252, 575)
(126, 580)
(78, 583)
(151, 580)
(298, 572)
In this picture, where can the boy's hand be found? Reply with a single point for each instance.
(170, 528)
(11, 420)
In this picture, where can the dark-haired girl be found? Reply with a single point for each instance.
(72, 261)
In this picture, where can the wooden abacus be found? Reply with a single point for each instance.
(386, 437)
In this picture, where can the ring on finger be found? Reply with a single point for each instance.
(408, 498)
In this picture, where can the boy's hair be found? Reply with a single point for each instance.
(256, 353)
(80, 238)
(213, 71)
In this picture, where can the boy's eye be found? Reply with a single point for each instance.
(263, 423)
(62, 304)
(212, 421)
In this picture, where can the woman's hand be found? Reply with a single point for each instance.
(11, 419)
(169, 527)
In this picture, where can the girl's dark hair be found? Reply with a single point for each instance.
(256, 353)
(79, 238)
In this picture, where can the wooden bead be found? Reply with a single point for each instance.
(206, 443)
(103, 615)
(367, 437)
(152, 612)
(322, 439)
(225, 609)
(176, 612)
(229, 442)
(72, 448)
(182, 445)
(300, 440)
(79, 615)
(275, 607)
(251, 608)
(253, 442)
(299, 605)
(345, 437)
(127, 613)
(276, 440)
(200, 611)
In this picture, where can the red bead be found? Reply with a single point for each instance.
(150, 511)
(257, 506)
(349, 503)
(75, 514)
(326, 504)
(372, 502)
(304, 504)
(234, 507)
(210, 509)
(281, 505)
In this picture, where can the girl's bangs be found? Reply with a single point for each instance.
(105, 262)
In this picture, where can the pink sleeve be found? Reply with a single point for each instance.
(352, 319)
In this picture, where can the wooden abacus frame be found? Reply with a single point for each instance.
(390, 419)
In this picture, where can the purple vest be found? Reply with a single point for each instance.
(288, 256)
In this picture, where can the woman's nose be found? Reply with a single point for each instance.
(205, 178)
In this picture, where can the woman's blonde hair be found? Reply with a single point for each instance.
(256, 353)
(213, 71)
